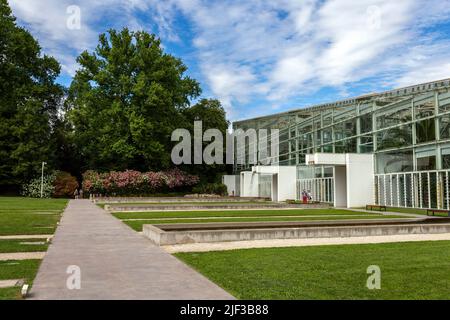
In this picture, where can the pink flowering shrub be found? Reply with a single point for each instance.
(132, 182)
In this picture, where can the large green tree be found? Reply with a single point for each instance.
(29, 102)
(212, 115)
(125, 101)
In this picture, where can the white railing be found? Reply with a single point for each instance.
(418, 189)
(321, 189)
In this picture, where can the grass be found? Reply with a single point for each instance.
(414, 270)
(25, 216)
(29, 216)
(408, 210)
(21, 203)
(7, 246)
(138, 224)
(12, 269)
(411, 210)
(12, 293)
(234, 213)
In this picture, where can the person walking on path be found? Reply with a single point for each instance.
(75, 194)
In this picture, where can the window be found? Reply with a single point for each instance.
(346, 146)
(397, 115)
(425, 131)
(394, 161)
(444, 101)
(426, 163)
(345, 129)
(445, 152)
(444, 127)
(327, 135)
(395, 137)
(366, 145)
(424, 105)
(366, 123)
(426, 159)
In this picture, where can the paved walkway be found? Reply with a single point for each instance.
(115, 263)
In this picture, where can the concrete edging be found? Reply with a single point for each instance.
(161, 237)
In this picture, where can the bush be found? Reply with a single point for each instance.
(33, 188)
(211, 188)
(65, 184)
(132, 182)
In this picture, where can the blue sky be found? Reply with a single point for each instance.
(261, 57)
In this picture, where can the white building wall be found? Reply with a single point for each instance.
(353, 179)
(340, 186)
(249, 184)
(285, 181)
(360, 179)
(232, 183)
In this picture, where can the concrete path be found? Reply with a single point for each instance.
(279, 243)
(11, 283)
(33, 236)
(21, 255)
(115, 263)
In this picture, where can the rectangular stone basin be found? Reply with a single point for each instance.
(171, 234)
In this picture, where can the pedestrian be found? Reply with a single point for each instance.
(75, 194)
(81, 193)
(309, 194)
(304, 196)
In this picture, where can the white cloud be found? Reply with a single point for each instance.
(273, 51)
(278, 50)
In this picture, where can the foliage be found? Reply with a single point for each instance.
(132, 182)
(64, 185)
(29, 102)
(213, 116)
(32, 189)
(126, 100)
(121, 108)
(211, 188)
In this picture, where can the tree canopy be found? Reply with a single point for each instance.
(118, 113)
(29, 102)
(126, 100)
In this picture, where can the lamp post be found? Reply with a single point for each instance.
(42, 179)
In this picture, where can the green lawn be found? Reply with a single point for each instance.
(137, 224)
(414, 270)
(25, 216)
(235, 213)
(410, 210)
(407, 210)
(29, 216)
(12, 269)
(23, 245)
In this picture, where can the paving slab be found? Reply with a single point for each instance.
(11, 283)
(21, 256)
(115, 263)
(26, 236)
